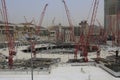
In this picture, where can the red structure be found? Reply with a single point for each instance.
(32, 42)
(9, 36)
(38, 30)
(86, 44)
(83, 44)
(72, 38)
(41, 19)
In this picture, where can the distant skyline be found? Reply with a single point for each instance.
(79, 10)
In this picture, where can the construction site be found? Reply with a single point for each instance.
(29, 48)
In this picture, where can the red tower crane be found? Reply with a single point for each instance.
(88, 38)
(38, 30)
(72, 38)
(41, 19)
(84, 40)
(9, 36)
(93, 18)
(90, 32)
(32, 47)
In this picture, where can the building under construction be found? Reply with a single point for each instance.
(111, 17)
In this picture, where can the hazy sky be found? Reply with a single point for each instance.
(79, 10)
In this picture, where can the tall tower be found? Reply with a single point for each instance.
(111, 15)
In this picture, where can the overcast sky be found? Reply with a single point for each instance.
(79, 10)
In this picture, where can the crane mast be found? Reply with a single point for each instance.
(84, 43)
(70, 22)
(9, 36)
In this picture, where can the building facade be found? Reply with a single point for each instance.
(111, 16)
(61, 33)
(25, 30)
(22, 32)
(3, 36)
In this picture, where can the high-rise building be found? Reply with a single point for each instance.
(111, 16)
